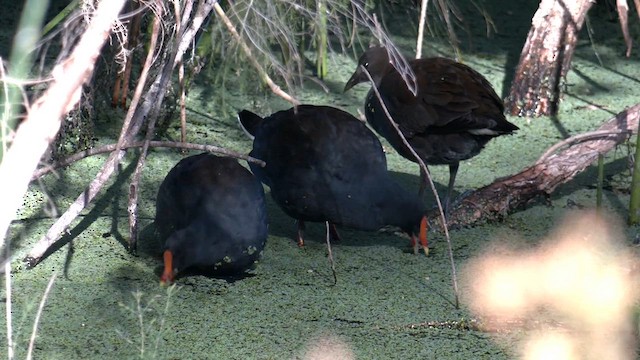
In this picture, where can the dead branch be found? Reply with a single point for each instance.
(495, 201)
(132, 208)
(181, 83)
(43, 122)
(195, 23)
(135, 117)
(121, 86)
(163, 144)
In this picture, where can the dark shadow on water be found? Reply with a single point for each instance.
(588, 179)
(48, 209)
(110, 197)
(229, 278)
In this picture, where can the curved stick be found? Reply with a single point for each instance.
(163, 144)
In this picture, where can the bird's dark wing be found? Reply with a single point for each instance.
(451, 96)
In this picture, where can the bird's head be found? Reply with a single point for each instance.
(176, 256)
(375, 61)
(169, 272)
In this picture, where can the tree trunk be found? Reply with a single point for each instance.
(546, 57)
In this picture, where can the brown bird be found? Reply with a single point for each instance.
(453, 114)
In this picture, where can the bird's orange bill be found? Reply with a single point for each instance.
(167, 276)
(422, 238)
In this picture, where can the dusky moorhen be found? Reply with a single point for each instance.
(323, 164)
(212, 213)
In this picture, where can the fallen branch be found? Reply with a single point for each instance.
(495, 201)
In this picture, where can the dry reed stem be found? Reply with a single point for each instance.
(261, 71)
(36, 321)
(423, 19)
(8, 309)
(132, 207)
(425, 170)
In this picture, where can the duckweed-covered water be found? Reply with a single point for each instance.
(106, 303)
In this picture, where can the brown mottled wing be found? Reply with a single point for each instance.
(450, 96)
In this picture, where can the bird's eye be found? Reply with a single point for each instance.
(366, 64)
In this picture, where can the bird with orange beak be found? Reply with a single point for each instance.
(211, 213)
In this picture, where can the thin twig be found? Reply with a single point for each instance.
(132, 43)
(247, 51)
(398, 61)
(186, 16)
(140, 312)
(8, 109)
(354, 26)
(423, 168)
(162, 144)
(183, 96)
(7, 254)
(132, 207)
(195, 23)
(331, 261)
(8, 310)
(36, 321)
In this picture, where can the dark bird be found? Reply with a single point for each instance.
(453, 115)
(212, 213)
(323, 164)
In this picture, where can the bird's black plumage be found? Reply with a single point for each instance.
(323, 164)
(212, 213)
(451, 118)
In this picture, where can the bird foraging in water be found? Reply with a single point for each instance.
(211, 211)
(323, 164)
(452, 115)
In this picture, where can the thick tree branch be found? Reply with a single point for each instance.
(495, 201)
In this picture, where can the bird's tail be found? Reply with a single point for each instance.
(249, 122)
